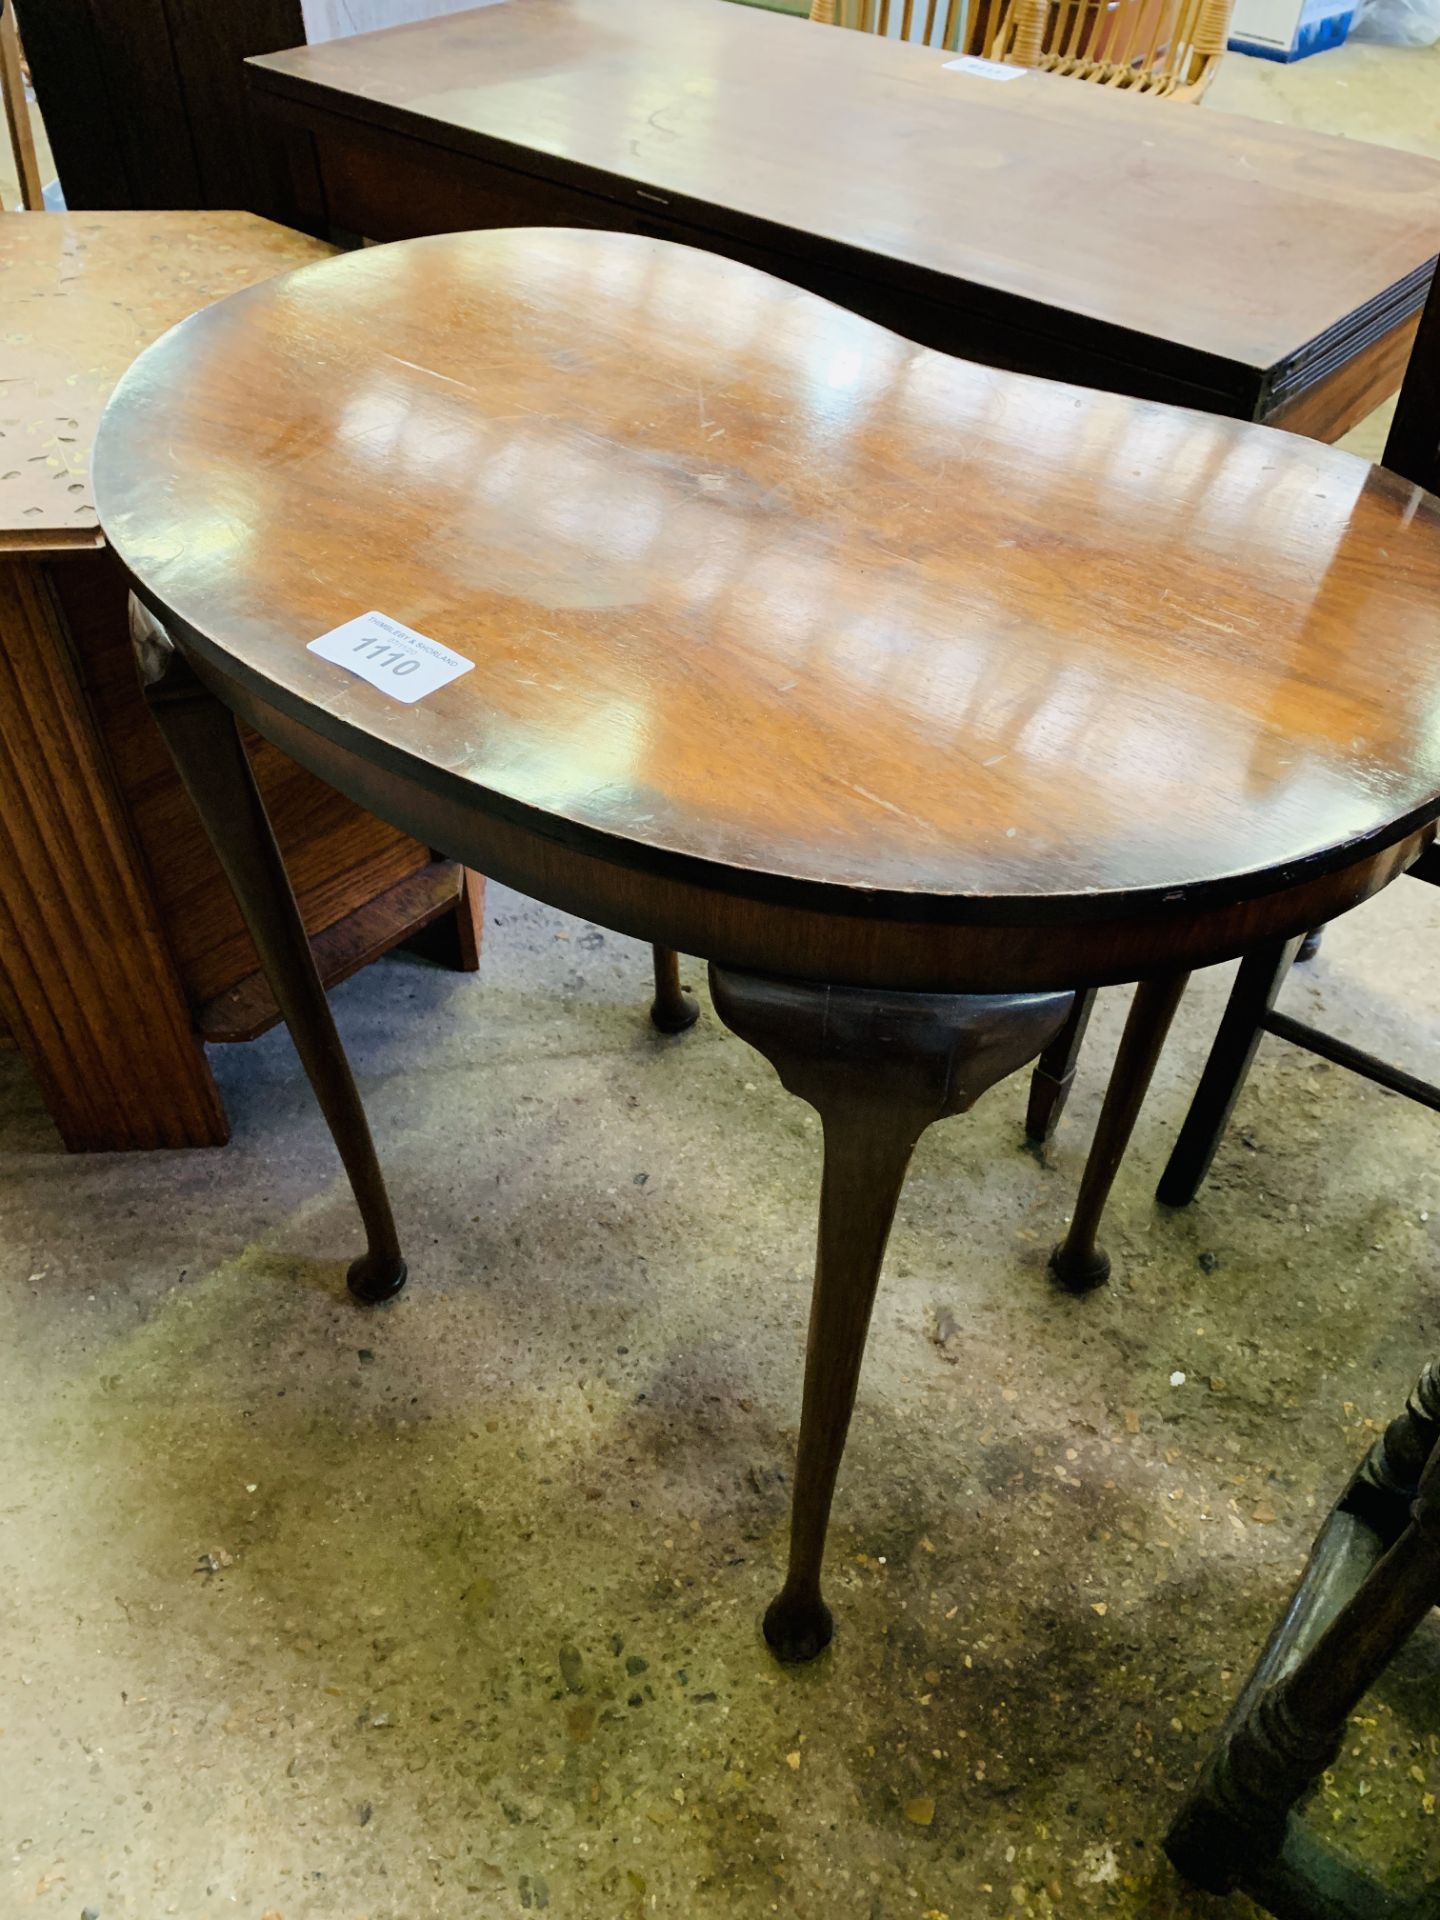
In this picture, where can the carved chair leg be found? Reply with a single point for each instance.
(1310, 945)
(1078, 1263)
(673, 1009)
(879, 1068)
(210, 757)
(1386, 1481)
(1235, 1827)
(1054, 1072)
(1261, 975)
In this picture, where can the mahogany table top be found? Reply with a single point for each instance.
(758, 593)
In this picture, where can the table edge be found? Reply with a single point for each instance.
(765, 887)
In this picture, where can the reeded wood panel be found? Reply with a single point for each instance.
(87, 983)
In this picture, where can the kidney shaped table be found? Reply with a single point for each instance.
(911, 694)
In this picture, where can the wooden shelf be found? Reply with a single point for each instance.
(248, 1008)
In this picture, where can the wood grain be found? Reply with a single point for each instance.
(432, 893)
(791, 930)
(1225, 250)
(764, 599)
(1328, 404)
(16, 110)
(88, 985)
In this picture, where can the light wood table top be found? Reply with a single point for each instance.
(82, 295)
(766, 600)
(1059, 228)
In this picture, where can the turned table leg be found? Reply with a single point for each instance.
(879, 1068)
(673, 1009)
(210, 757)
(1078, 1263)
(1337, 1635)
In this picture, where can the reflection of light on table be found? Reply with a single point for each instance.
(569, 760)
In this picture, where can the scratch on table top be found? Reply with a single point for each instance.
(1220, 626)
(433, 373)
(890, 807)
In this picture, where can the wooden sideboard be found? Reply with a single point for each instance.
(1265, 272)
(121, 948)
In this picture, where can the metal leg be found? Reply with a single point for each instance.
(209, 754)
(1259, 980)
(879, 1068)
(1078, 1263)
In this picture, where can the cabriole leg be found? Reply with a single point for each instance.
(1079, 1263)
(210, 757)
(673, 1009)
(878, 1068)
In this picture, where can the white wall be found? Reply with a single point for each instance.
(333, 19)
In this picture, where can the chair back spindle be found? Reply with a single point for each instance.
(927, 23)
(1166, 48)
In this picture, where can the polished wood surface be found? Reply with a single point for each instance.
(764, 600)
(853, 668)
(121, 936)
(1036, 223)
(1412, 453)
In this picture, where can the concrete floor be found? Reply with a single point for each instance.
(451, 1607)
